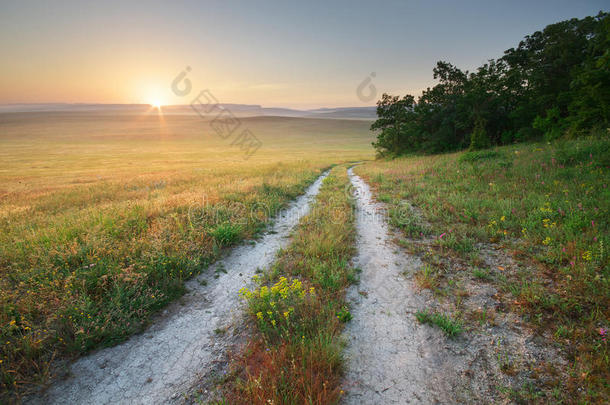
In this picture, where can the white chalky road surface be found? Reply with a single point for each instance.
(168, 359)
(390, 358)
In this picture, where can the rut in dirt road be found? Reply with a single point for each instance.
(171, 356)
(390, 358)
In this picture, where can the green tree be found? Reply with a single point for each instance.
(479, 138)
(393, 123)
(556, 81)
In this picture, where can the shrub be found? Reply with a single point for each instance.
(479, 138)
(551, 126)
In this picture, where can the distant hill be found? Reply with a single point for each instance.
(241, 110)
(346, 112)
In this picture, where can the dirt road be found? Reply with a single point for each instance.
(168, 359)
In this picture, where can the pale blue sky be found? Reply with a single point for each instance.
(276, 53)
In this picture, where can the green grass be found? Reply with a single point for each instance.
(103, 217)
(481, 274)
(451, 327)
(299, 309)
(227, 234)
(547, 206)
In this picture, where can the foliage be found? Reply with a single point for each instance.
(555, 82)
(551, 125)
(478, 138)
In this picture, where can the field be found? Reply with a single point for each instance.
(544, 206)
(103, 216)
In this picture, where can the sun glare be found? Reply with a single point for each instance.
(156, 104)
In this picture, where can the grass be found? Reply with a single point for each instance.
(427, 277)
(103, 217)
(546, 205)
(451, 327)
(482, 274)
(299, 309)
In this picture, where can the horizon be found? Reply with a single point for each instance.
(185, 105)
(270, 54)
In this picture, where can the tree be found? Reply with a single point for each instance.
(393, 123)
(556, 81)
(479, 139)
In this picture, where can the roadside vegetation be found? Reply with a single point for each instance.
(98, 231)
(298, 309)
(544, 205)
(449, 326)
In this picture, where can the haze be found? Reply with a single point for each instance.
(305, 55)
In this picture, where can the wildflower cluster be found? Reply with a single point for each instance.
(498, 229)
(277, 309)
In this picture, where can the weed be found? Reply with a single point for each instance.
(451, 327)
(344, 315)
(427, 277)
(481, 274)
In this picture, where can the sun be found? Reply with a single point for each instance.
(156, 104)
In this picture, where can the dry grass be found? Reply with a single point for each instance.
(103, 217)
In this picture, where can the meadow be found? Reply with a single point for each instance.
(546, 205)
(104, 215)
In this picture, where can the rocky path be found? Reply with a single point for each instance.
(390, 358)
(170, 357)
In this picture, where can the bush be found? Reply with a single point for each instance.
(552, 126)
(479, 138)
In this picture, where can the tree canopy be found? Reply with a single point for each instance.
(555, 83)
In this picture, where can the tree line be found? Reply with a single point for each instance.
(555, 83)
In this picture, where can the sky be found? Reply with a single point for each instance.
(304, 54)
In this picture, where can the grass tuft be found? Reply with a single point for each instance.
(451, 327)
